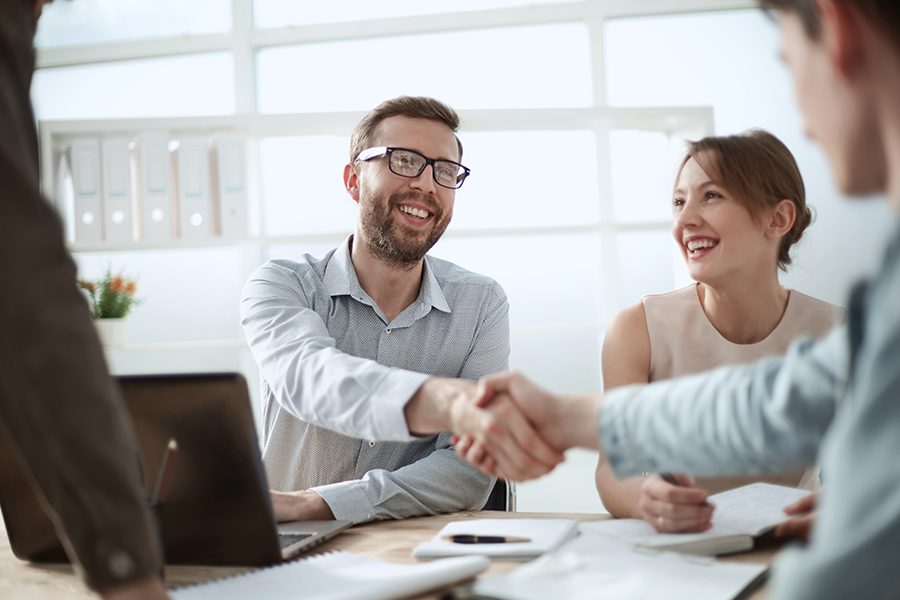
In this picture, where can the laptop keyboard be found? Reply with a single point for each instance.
(288, 539)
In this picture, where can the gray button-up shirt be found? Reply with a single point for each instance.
(839, 398)
(336, 376)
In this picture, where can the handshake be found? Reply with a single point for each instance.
(505, 424)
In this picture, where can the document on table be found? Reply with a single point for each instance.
(543, 535)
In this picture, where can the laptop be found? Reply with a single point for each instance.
(214, 505)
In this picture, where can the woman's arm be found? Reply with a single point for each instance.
(625, 360)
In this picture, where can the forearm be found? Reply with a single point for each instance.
(438, 483)
(619, 496)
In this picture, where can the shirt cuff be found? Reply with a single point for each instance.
(615, 431)
(347, 500)
(396, 389)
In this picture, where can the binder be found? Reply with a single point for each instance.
(231, 186)
(118, 223)
(195, 217)
(84, 158)
(154, 175)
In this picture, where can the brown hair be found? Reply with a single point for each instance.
(760, 171)
(883, 13)
(417, 107)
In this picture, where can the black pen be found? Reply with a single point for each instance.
(670, 478)
(468, 538)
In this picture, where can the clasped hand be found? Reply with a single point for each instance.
(518, 431)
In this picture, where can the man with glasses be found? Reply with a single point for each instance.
(378, 341)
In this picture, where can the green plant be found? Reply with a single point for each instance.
(111, 296)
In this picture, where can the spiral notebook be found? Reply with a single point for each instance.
(338, 576)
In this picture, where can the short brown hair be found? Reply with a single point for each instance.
(883, 13)
(760, 171)
(417, 107)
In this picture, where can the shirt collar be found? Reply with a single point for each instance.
(341, 280)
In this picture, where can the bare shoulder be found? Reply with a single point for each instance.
(626, 348)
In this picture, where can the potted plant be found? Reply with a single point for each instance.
(111, 298)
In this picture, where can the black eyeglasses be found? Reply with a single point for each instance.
(409, 163)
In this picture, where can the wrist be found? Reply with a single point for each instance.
(432, 408)
(577, 416)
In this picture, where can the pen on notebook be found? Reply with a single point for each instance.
(467, 538)
(171, 447)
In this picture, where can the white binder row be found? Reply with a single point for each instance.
(126, 191)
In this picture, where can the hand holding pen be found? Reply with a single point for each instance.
(672, 504)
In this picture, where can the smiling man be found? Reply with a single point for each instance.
(376, 339)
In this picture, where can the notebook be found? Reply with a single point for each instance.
(597, 566)
(338, 576)
(543, 535)
(741, 515)
(214, 503)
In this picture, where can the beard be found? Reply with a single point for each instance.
(393, 242)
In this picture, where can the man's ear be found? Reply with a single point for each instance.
(781, 219)
(351, 181)
(842, 35)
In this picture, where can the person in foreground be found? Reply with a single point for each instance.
(58, 405)
(348, 342)
(739, 206)
(838, 398)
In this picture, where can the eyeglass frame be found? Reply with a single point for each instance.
(379, 151)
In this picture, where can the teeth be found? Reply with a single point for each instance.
(416, 212)
(694, 245)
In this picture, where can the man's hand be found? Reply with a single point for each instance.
(804, 516)
(149, 589)
(672, 508)
(302, 505)
(448, 405)
(561, 422)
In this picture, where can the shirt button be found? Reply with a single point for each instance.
(371, 444)
(120, 564)
(387, 330)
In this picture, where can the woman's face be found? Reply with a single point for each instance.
(717, 235)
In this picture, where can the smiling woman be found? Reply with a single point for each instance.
(738, 205)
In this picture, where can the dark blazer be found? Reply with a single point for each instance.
(58, 405)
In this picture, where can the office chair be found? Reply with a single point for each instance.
(502, 497)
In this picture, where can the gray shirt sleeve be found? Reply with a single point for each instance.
(744, 419)
(308, 375)
(441, 482)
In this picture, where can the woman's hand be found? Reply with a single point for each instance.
(672, 508)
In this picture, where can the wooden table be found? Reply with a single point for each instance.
(386, 540)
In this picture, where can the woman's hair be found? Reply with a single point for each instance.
(759, 170)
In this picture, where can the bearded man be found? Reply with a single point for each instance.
(377, 340)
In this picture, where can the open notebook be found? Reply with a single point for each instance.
(597, 566)
(741, 514)
(338, 576)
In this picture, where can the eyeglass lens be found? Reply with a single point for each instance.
(411, 164)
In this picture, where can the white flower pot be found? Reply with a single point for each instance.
(111, 332)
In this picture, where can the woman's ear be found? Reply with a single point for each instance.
(351, 181)
(781, 219)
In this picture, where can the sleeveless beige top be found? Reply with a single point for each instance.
(683, 341)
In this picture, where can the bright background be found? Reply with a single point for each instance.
(568, 204)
